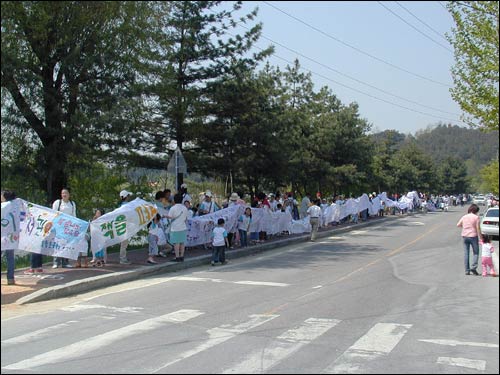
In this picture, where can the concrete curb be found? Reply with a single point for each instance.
(102, 281)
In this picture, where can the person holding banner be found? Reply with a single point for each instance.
(100, 257)
(12, 219)
(125, 198)
(68, 207)
(208, 206)
(178, 229)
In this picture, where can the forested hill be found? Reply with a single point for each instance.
(445, 141)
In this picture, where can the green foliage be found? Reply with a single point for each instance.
(413, 170)
(475, 74)
(443, 141)
(68, 68)
(489, 175)
(452, 175)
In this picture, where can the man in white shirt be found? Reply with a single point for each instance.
(68, 207)
(314, 212)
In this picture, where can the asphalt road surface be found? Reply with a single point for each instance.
(390, 298)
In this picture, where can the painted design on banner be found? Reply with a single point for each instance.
(120, 224)
(13, 213)
(49, 232)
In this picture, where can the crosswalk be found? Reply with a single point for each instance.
(374, 344)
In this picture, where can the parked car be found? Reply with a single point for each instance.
(480, 200)
(489, 222)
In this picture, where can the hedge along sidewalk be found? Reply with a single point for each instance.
(96, 282)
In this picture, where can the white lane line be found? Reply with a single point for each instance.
(263, 283)
(358, 232)
(463, 362)
(244, 282)
(201, 279)
(82, 347)
(219, 335)
(377, 342)
(36, 334)
(455, 343)
(260, 361)
(416, 223)
(74, 308)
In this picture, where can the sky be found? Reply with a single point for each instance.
(390, 57)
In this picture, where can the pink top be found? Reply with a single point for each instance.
(469, 224)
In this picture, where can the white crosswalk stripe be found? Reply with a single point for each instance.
(219, 335)
(94, 343)
(285, 344)
(463, 362)
(377, 342)
(36, 334)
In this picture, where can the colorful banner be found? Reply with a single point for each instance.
(120, 224)
(13, 212)
(49, 232)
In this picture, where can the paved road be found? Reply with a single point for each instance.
(391, 298)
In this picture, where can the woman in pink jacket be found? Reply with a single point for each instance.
(470, 234)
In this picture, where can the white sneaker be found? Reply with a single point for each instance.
(54, 266)
(125, 261)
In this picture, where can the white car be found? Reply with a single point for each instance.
(480, 200)
(489, 222)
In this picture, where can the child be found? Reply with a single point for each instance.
(153, 227)
(219, 243)
(99, 258)
(244, 222)
(486, 251)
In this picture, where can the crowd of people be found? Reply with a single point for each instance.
(166, 232)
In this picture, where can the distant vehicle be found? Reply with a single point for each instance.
(489, 222)
(480, 200)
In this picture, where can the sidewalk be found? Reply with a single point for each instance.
(63, 282)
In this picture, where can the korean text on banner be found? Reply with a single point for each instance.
(120, 224)
(49, 232)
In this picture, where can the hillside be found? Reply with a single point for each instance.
(464, 144)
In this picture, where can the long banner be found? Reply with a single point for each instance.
(49, 232)
(120, 224)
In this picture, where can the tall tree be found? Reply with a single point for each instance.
(489, 176)
(243, 137)
(67, 68)
(452, 174)
(475, 74)
(200, 49)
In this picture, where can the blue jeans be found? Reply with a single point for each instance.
(468, 242)
(219, 254)
(11, 263)
(153, 245)
(36, 261)
(243, 238)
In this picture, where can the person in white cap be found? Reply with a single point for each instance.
(208, 206)
(125, 198)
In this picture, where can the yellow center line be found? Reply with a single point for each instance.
(395, 251)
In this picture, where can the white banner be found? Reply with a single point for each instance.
(120, 224)
(13, 212)
(200, 227)
(49, 232)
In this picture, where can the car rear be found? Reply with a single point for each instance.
(489, 222)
